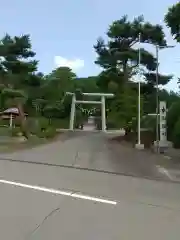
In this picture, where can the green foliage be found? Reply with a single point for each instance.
(79, 118)
(43, 123)
(44, 97)
(88, 84)
(78, 93)
(41, 134)
(172, 20)
(162, 79)
(52, 111)
(5, 130)
(11, 93)
(60, 123)
(172, 117)
(16, 69)
(111, 124)
(176, 134)
(15, 131)
(42, 128)
(58, 82)
(119, 58)
(124, 107)
(149, 123)
(50, 132)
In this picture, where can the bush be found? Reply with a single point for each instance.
(43, 123)
(33, 125)
(5, 131)
(59, 122)
(149, 123)
(110, 124)
(176, 134)
(173, 116)
(36, 125)
(44, 127)
(50, 132)
(4, 122)
(40, 134)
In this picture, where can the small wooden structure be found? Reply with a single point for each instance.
(10, 113)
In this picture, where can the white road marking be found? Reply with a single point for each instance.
(165, 172)
(58, 192)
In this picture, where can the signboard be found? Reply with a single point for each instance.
(162, 114)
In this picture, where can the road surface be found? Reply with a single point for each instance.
(86, 188)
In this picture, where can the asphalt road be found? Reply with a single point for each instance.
(61, 199)
(92, 151)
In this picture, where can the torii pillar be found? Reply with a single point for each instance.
(102, 102)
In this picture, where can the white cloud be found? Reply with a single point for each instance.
(74, 64)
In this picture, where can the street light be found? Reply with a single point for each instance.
(139, 145)
(157, 91)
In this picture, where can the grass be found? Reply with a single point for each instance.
(9, 144)
(33, 141)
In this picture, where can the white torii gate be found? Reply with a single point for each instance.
(102, 102)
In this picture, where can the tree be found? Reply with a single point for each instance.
(124, 107)
(172, 20)
(57, 83)
(172, 117)
(34, 88)
(88, 84)
(176, 134)
(119, 57)
(16, 70)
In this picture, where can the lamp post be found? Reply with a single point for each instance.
(139, 145)
(157, 91)
(139, 95)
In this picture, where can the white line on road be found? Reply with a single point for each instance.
(58, 192)
(165, 172)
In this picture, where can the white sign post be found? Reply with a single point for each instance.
(163, 128)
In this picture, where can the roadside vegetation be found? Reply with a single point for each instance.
(41, 99)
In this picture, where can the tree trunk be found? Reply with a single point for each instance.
(22, 120)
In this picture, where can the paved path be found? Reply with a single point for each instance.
(39, 201)
(92, 151)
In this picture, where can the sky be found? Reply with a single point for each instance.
(64, 32)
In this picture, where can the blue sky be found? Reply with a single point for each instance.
(69, 29)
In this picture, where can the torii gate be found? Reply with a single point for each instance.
(102, 102)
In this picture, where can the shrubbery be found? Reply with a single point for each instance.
(176, 134)
(15, 131)
(50, 132)
(46, 128)
(172, 118)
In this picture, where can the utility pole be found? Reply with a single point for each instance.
(139, 145)
(157, 98)
(139, 96)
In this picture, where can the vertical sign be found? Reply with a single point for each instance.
(163, 130)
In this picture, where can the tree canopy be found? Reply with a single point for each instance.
(120, 59)
(172, 20)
